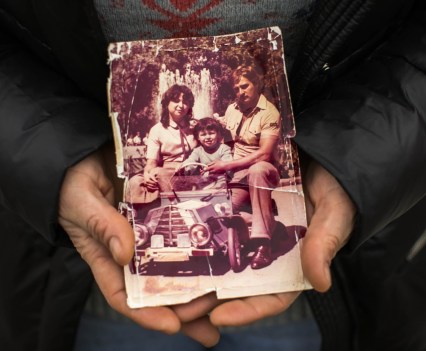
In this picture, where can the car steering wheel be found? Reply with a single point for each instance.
(183, 166)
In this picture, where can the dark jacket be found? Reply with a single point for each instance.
(358, 89)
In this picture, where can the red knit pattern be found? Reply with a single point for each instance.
(184, 23)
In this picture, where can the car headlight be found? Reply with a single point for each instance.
(200, 234)
(142, 234)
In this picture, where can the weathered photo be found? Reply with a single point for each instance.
(203, 133)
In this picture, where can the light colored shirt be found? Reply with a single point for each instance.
(200, 155)
(169, 144)
(263, 122)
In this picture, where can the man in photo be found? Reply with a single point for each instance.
(254, 124)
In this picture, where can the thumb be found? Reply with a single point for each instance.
(94, 217)
(86, 213)
(104, 223)
(328, 231)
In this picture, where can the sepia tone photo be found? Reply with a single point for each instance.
(203, 131)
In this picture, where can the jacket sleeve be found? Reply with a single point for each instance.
(46, 125)
(369, 130)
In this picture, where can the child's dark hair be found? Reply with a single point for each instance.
(208, 123)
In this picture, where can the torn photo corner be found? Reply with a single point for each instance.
(190, 116)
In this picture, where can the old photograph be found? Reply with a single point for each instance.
(203, 131)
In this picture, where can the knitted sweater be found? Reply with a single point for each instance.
(155, 19)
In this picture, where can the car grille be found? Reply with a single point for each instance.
(171, 224)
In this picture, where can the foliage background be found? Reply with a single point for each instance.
(135, 68)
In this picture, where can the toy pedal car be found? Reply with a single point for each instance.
(194, 219)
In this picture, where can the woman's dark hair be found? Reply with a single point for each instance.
(173, 94)
(208, 123)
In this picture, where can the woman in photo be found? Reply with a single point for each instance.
(169, 143)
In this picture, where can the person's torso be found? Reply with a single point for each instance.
(207, 157)
(171, 144)
(246, 132)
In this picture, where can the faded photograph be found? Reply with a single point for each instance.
(203, 132)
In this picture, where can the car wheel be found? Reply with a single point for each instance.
(234, 250)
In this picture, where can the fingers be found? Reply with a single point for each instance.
(202, 330)
(98, 219)
(151, 183)
(320, 245)
(105, 240)
(248, 310)
(114, 231)
(196, 308)
(211, 166)
(328, 232)
(152, 186)
(85, 210)
(109, 277)
(331, 216)
(231, 313)
(195, 321)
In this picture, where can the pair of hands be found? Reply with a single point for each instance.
(105, 240)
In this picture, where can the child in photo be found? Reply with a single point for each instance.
(209, 134)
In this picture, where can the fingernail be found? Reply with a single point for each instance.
(114, 246)
(327, 274)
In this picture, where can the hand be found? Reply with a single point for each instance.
(217, 166)
(246, 310)
(151, 181)
(105, 240)
(331, 216)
